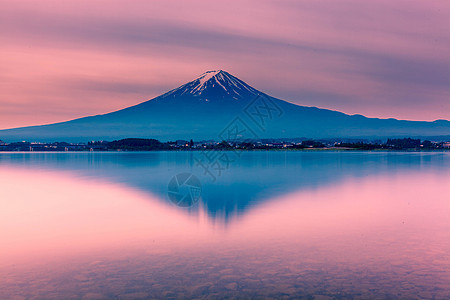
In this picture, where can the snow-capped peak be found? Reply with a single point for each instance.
(203, 80)
(215, 84)
(207, 76)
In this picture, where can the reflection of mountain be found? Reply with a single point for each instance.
(202, 109)
(253, 179)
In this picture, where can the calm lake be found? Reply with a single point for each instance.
(319, 225)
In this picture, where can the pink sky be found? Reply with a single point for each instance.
(61, 60)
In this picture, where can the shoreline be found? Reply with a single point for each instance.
(237, 150)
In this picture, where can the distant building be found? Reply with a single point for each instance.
(182, 143)
(2, 143)
(446, 144)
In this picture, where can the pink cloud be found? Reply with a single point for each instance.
(63, 59)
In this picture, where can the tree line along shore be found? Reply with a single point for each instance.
(140, 144)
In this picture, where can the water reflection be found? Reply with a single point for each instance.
(338, 225)
(253, 179)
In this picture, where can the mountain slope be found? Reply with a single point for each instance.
(216, 104)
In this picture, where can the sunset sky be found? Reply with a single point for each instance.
(61, 60)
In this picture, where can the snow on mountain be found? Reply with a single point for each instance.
(217, 103)
(214, 84)
(205, 77)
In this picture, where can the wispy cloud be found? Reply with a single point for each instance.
(65, 59)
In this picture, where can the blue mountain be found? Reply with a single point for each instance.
(218, 106)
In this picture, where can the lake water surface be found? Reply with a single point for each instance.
(318, 225)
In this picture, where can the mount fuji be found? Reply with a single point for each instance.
(216, 104)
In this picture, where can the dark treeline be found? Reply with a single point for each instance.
(397, 144)
(405, 143)
(140, 144)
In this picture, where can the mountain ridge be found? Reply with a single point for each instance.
(204, 107)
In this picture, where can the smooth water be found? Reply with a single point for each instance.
(319, 225)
